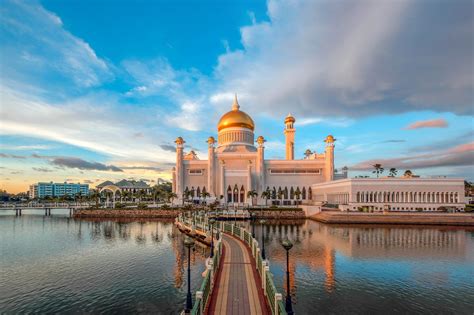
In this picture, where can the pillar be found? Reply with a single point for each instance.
(329, 158)
(289, 137)
(260, 167)
(211, 165)
(179, 167)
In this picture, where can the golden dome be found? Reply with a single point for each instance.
(235, 118)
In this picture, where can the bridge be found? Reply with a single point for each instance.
(46, 207)
(236, 280)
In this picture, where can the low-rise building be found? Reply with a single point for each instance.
(124, 185)
(43, 189)
(392, 193)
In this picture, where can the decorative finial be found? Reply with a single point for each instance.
(235, 105)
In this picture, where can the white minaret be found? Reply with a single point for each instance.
(329, 158)
(179, 167)
(260, 167)
(290, 137)
(211, 165)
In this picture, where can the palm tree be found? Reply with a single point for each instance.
(393, 172)
(408, 173)
(280, 196)
(252, 194)
(204, 195)
(378, 169)
(170, 196)
(297, 195)
(95, 196)
(266, 195)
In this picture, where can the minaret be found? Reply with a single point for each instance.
(329, 158)
(290, 137)
(211, 165)
(179, 167)
(260, 167)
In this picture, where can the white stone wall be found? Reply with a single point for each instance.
(404, 194)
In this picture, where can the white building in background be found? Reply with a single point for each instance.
(392, 193)
(235, 165)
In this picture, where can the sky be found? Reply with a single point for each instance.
(99, 90)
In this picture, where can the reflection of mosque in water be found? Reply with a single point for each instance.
(316, 245)
(143, 233)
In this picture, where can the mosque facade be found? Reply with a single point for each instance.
(236, 164)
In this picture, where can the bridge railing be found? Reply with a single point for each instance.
(273, 297)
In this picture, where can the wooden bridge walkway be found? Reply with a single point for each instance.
(237, 280)
(238, 287)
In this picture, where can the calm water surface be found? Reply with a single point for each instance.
(61, 265)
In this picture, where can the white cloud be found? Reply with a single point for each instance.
(354, 58)
(34, 42)
(81, 123)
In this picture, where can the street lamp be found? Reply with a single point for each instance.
(211, 223)
(287, 245)
(263, 239)
(189, 243)
(252, 221)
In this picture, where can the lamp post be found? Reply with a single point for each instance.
(211, 223)
(252, 222)
(189, 243)
(287, 245)
(263, 239)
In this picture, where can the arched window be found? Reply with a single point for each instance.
(274, 193)
(292, 193)
(198, 192)
(242, 194)
(204, 189)
(229, 194)
(193, 191)
(285, 193)
(298, 193)
(236, 194)
(303, 194)
(310, 193)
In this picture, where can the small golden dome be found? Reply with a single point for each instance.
(179, 140)
(330, 139)
(289, 118)
(235, 118)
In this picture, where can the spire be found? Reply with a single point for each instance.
(235, 105)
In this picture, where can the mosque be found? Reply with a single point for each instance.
(236, 164)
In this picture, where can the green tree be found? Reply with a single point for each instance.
(378, 169)
(252, 194)
(297, 195)
(266, 195)
(393, 172)
(408, 173)
(205, 195)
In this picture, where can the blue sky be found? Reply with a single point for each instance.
(97, 90)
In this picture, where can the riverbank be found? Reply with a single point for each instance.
(338, 217)
(273, 214)
(121, 213)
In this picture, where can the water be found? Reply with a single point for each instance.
(61, 265)
(361, 270)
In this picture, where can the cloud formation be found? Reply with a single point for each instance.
(355, 58)
(461, 155)
(434, 123)
(72, 162)
(42, 169)
(28, 31)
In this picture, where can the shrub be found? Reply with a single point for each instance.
(119, 205)
(165, 207)
(419, 209)
(142, 206)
